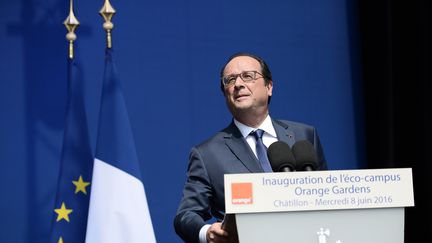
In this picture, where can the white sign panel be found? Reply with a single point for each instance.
(318, 190)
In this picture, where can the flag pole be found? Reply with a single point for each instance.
(107, 12)
(71, 24)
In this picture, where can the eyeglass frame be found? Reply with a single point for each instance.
(235, 76)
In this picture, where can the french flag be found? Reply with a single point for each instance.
(118, 209)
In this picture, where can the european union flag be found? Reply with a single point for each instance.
(118, 210)
(76, 165)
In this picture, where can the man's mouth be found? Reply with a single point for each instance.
(240, 96)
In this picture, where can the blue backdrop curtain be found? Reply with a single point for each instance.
(355, 87)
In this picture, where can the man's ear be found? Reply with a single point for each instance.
(269, 86)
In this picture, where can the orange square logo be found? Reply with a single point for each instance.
(241, 193)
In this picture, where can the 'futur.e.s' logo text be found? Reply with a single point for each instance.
(241, 193)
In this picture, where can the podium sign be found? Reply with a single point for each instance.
(341, 206)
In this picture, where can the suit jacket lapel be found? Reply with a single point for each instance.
(240, 148)
(284, 132)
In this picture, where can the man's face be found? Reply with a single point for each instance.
(246, 96)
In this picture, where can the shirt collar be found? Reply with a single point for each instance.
(266, 125)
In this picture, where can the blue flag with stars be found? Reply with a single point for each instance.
(76, 164)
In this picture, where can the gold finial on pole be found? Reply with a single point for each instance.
(107, 12)
(71, 24)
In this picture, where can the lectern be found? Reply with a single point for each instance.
(343, 206)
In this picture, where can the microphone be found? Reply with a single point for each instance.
(305, 155)
(281, 158)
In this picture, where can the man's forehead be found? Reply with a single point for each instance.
(241, 63)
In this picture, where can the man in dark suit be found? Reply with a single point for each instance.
(247, 85)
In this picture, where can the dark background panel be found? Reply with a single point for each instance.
(396, 60)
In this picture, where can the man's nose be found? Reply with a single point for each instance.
(239, 84)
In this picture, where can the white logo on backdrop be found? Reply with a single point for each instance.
(323, 234)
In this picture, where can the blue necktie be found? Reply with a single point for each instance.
(261, 151)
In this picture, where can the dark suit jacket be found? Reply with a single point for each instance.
(227, 152)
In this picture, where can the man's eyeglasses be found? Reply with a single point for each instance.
(246, 76)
